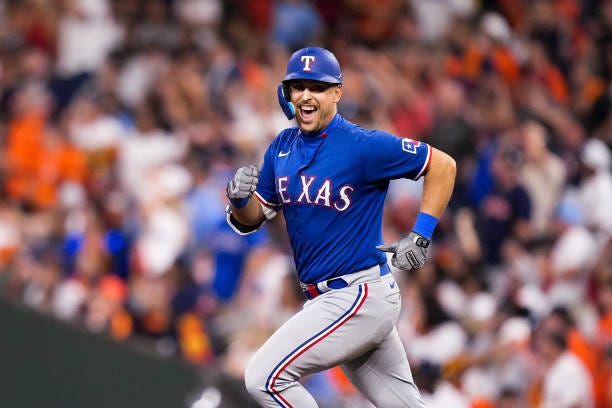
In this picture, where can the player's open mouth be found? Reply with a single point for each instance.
(307, 113)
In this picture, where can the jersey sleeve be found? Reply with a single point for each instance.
(392, 157)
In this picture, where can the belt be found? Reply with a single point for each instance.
(312, 290)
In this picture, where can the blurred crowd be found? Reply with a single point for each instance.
(121, 121)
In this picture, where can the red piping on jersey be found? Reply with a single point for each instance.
(312, 291)
(428, 160)
(427, 163)
(264, 202)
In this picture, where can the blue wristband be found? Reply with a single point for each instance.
(425, 225)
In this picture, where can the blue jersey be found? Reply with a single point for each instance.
(332, 187)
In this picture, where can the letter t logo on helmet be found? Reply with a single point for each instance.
(307, 60)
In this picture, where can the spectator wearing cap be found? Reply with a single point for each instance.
(572, 257)
(595, 189)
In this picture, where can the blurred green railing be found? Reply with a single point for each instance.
(45, 363)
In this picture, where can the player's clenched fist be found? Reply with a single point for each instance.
(409, 254)
(242, 186)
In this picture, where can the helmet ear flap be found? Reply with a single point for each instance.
(287, 92)
(284, 97)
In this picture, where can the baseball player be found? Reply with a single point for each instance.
(330, 178)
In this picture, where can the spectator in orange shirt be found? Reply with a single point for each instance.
(24, 140)
(59, 162)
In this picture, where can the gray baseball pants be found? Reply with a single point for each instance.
(353, 327)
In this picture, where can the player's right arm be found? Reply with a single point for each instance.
(251, 214)
(252, 194)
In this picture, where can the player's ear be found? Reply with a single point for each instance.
(337, 93)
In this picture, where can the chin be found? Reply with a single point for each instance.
(306, 127)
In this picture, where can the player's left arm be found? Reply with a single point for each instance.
(410, 253)
(438, 183)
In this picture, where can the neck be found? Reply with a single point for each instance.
(318, 132)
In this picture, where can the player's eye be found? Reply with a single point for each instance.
(298, 87)
(318, 88)
(314, 88)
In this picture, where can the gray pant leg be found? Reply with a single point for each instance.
(383, 375)
(267, 381)
(331, 329)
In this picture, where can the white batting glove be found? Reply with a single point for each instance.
(242, 186)
(409, 254)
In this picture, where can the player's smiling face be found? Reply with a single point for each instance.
(315, 103)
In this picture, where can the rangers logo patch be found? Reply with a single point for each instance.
(307, 60)
(409, 145)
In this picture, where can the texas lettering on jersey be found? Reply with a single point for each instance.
(311, 193)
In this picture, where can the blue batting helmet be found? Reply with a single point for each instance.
(317, 64)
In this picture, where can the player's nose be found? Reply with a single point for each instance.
(306, 95)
